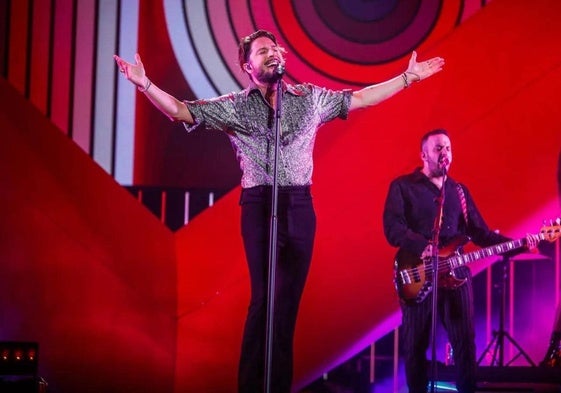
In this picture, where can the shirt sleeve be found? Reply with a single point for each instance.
(332, 104)
(212, 114)
(396, 229)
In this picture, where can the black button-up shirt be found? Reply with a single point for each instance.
(411, 207)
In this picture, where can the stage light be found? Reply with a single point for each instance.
(19, 368)
(19, 358)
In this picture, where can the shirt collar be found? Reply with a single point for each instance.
(286, 88)
(419, 176)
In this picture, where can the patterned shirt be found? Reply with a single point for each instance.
(248, 120)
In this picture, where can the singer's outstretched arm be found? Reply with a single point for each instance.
(170, 106)
(415, 72)
(176, 110)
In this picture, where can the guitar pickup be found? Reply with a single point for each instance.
(409, 276)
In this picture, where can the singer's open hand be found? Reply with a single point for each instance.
(426, 68)
(133, 72)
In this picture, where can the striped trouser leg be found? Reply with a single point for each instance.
(456, 313)
(415, 332)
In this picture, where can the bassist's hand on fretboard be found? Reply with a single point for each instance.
(532, 241)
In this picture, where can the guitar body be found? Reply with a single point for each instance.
(413, 275)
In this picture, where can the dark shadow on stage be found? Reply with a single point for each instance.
(510, 379)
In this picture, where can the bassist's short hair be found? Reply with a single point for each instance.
(437, 131)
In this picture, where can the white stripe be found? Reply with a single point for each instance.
(184, 51)
(126, 95)
(203, 39)
(186, 213)
(104, 89)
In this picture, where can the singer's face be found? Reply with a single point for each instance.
(264, 58)
(436, 149)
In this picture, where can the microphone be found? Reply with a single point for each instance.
(443, 163)
(279, 70)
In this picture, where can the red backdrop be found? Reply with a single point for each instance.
(119, 301)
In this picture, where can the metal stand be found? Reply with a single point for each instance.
(496, 346)
(272, 263)
(434, 268)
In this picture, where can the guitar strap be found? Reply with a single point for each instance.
(462, 196)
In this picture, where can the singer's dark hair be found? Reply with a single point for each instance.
(437, 131)
(244, 47)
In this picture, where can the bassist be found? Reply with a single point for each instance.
(409, 214)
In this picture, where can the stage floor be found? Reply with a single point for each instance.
(490, 379)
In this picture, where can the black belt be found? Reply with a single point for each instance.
(266, 189)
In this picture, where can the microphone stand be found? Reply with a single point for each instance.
(435, 261)
(279, 71)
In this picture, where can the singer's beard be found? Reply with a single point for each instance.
(268, 76)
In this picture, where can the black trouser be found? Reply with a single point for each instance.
(455, 309)
(296, 231)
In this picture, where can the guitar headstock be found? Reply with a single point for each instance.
(551, 231)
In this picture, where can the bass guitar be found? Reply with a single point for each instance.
(413, 275)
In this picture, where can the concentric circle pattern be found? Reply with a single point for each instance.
(376, 41)
(333, 43)
(361, 22)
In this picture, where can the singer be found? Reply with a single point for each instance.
(409, 214)
(247, 118)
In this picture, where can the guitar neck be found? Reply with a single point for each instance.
(463, 259)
